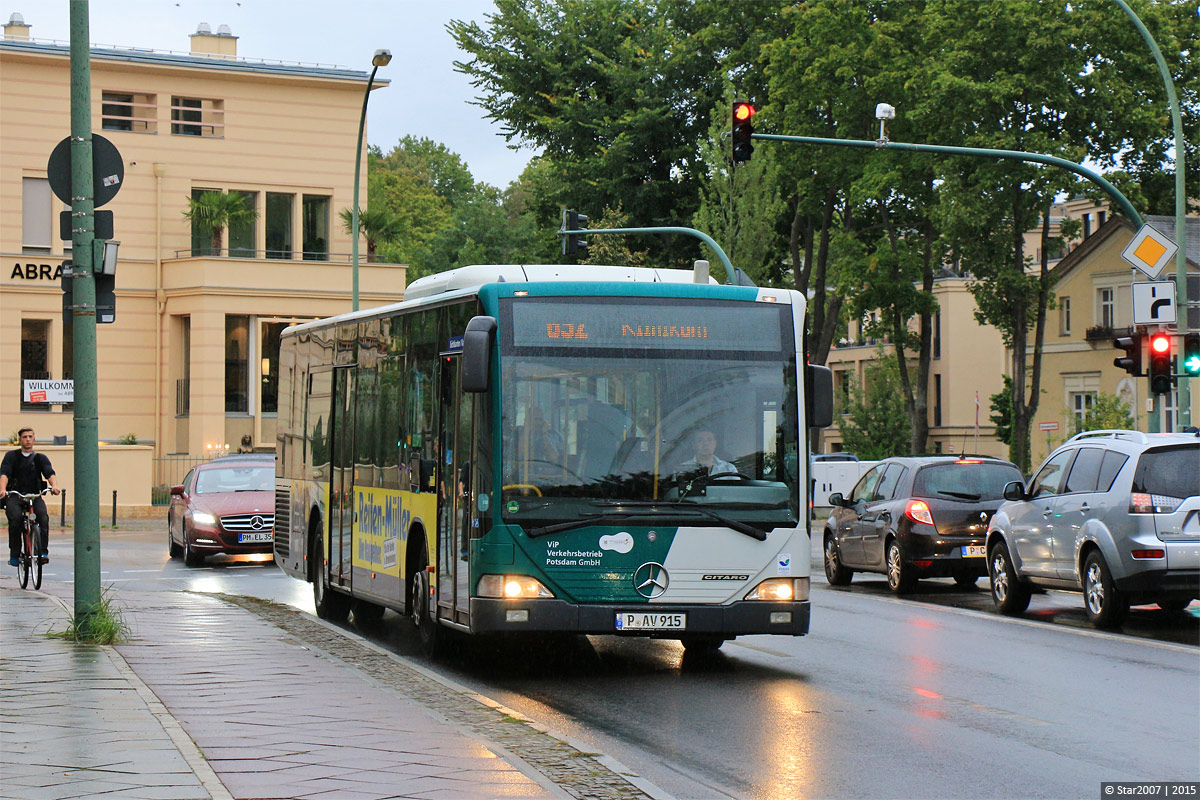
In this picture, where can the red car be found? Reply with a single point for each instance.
(224, 506)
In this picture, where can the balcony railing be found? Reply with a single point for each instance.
(1104, 333)
(274, 255)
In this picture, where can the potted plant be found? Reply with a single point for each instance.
(214, 211)
(377, 225)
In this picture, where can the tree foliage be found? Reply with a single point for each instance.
(1106, 412)
(875, 424)
(216, 211)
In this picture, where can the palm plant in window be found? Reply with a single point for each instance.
(212, 212)
(379, 225)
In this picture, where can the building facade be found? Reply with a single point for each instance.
(189, 366)
(1092, 285)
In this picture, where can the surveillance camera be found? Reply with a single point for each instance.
(884, 111)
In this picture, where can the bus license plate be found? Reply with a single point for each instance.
(245, 538)
(974, 551)
(627, 621)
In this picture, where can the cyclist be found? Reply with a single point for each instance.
(24, 470)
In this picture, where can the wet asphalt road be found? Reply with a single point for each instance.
(930, 696)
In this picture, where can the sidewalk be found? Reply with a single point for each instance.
(210, 700)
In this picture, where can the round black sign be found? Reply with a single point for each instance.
(108, 170)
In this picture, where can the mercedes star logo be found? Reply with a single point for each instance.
(651, 580)
(256, 522)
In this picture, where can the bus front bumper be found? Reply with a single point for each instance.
(737, 619)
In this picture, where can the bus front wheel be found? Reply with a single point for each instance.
(429, 633)
(330, 605)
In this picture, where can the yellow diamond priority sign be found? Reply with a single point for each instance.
(1149, 251)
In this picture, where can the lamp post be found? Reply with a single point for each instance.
(380, 59)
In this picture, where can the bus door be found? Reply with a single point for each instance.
(454, 495)
(341, 476)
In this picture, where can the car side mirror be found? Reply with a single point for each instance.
(1014, 491)
(837, 499)
(177, 491)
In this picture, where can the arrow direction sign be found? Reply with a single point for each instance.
(1154, 303)
(1149, 250)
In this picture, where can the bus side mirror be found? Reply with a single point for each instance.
(818, 395)
(477, 354)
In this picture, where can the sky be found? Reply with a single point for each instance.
(426, 97)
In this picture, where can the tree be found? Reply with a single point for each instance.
(875, 424)
(377, 224)
(215, 211)
(1106, 412)
(616, 94)
(613, 248)
(1001, 411)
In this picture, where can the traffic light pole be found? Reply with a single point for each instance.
(979, 152)
(1184, 396)
(83, 315)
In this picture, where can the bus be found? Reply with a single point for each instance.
(554, 449)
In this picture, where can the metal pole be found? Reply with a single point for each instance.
(701, 235)
(87, 452)
(1184, 413)
(1014, 155)
(62, 510)
(358, 148)
(114, 514)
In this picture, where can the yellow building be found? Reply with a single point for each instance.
(189, 365)
(1095, 305)
(969, 360)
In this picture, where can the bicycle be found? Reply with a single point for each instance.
(29, 561)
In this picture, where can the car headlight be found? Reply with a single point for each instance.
(780, 590)
(203, 518)
(512, 587)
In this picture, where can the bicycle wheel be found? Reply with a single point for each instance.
(24, 559)
(35, 560)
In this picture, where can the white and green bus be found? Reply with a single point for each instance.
(597, 450)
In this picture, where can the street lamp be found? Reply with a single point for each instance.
(380, 59)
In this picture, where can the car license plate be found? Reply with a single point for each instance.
(974, 551)
(247, 538)
(627, 621)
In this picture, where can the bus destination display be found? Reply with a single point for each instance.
(741, 326)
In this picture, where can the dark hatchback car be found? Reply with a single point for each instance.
(224, 506)
(919, 517)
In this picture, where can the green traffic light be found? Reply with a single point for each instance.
(1192, 365)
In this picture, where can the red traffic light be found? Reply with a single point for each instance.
(1160, 343)
(743, 111)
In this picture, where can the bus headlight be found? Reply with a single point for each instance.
(780, 590)
(512, 587)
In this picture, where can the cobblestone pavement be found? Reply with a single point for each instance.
(581, 774)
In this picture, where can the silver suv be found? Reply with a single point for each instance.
(1114, 514)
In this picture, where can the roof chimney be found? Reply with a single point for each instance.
(222, 44)
(16, 27)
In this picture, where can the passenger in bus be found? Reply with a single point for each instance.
(704, 448)
(540, 441)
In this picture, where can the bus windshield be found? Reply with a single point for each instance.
(642, 406)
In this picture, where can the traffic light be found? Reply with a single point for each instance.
(1131, 362)
(742, 148)
(573, 221)
(1160, 370)
(1191, 354)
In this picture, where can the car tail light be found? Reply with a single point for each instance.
(1148, 553)
(968, 461)
(918, 511)
(1143, 503)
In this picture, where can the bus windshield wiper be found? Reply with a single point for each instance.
(589, 518)
(691, 505)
